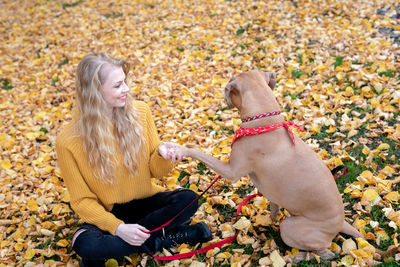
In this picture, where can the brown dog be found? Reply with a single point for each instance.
(290, 176)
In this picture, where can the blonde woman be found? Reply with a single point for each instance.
(108, 155)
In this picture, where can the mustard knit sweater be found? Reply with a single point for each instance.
(92, 199)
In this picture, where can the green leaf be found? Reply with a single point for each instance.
(6, 85)
(240, 31)
(65, 61)
(66, 5)
(338, 61)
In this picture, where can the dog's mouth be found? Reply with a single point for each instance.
(228, 102)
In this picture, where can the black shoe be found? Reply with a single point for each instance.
(189, 234)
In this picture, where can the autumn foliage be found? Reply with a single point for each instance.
(337, 66)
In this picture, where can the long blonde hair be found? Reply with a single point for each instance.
(98, 131)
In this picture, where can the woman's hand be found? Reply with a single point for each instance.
(172, 151)
(133, 234)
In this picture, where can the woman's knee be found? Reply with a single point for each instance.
(186, 196)
(87, 243)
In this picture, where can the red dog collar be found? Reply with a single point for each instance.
(268, 128)
(263, 115)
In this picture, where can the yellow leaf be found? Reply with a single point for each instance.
(317, 258)
(365, 151)
(263, 220)
(293, 252)
(349, 91)
(276, 259)
(348, 190)
(382, 235)
(334, 248)
(208, 208)
(242, 223)
(32, 205)
(216, 151)
(388, 170)
(193, 187)
(393, 196)
(366, 174)
(359, 224)
(111, 263)
(265, 261)
(32, 135)
(355, 194)
(226, 150)
(338, 162)
(57, 209)
(374, 103)
(171, 182)
(361, 253)
(5, 164)
(66, 197)
(183, 248)
(367, 92)
(18, 247)
(347, 260)
(315, 129)
(348, 246)
(62, 243)
(383, 146)
(30, 254)
(362, 243)
(370, 195)
(224, 255)
(331, 129)
(48, 168)
(260, 203)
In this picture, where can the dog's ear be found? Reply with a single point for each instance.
(232, 95)
(270, 77)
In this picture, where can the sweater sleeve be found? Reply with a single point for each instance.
(83, 201)
(159, 166)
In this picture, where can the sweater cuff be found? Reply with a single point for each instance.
(160, 166)
(112, 226)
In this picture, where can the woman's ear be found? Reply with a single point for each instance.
(270, 77)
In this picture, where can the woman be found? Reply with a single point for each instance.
(108, 154)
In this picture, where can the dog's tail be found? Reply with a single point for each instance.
(348, 229)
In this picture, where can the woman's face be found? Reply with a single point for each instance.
(115, 89)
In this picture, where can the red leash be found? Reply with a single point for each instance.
(219, 244)
(199, 196)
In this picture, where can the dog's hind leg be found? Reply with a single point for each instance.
(348, 229)
(304, 234)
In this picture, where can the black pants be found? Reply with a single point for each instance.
(95, 245)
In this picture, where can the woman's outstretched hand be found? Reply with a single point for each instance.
(133, 234)
(171, 151)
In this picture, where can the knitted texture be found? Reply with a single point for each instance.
(93, 199)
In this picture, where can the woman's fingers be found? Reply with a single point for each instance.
(142, 235)
(142, 228)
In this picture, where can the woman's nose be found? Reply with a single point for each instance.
(125, 88)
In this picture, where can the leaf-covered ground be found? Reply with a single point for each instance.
(337, 64)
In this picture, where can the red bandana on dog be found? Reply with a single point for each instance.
(268, 128)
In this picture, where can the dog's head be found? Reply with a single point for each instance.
(250, 80)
